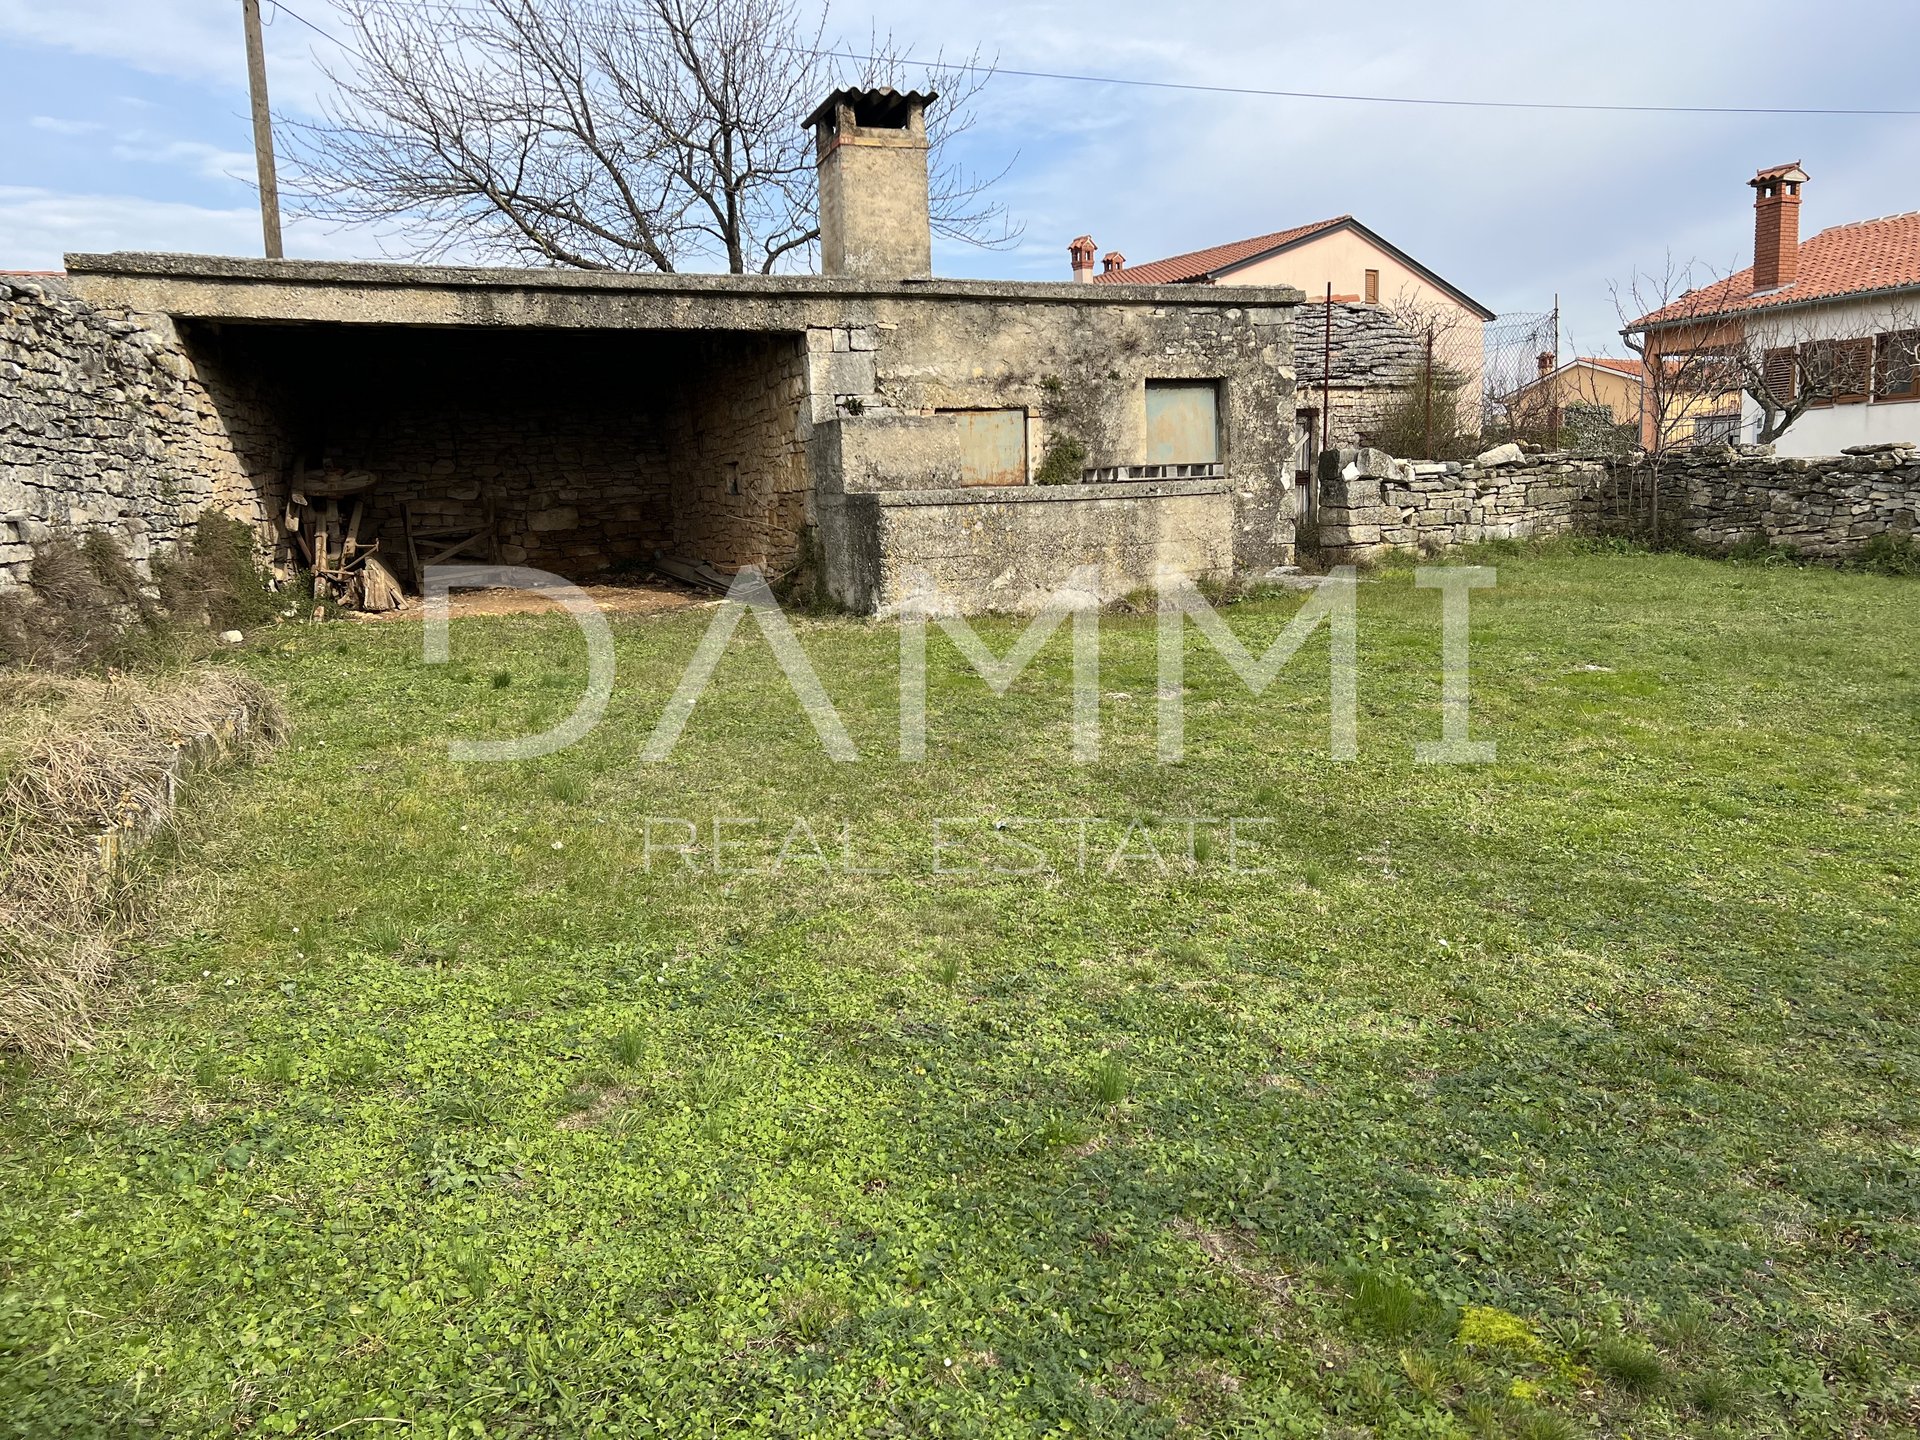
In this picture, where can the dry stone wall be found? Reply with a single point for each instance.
(1369, 502)
(107, 424)
(1824, 508)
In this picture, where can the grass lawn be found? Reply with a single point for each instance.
(1577, 1093)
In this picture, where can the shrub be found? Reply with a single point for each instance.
(1064, 462)
(216, 579)
(1891, 553)
(85, 608)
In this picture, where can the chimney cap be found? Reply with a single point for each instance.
(882, 106)
(1082, 249)
(1113, 261)
(1774, 174)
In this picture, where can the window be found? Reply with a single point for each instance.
(1838, 372)
(1183, 422)
(1373, 287)
(1896, 371)
(993, 446)
(1716, 429)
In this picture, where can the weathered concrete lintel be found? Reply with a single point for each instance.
(1026, 494)
(215, 287)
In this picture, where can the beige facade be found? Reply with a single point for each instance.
(1583, 381)
(1360, 269)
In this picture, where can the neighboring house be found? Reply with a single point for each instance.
(1832, 324)
(1587, 382)
(1373, 282)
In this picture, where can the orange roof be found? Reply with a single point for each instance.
(1607, 362)
(1202, 264)
(1206, 266)
(1859, 259)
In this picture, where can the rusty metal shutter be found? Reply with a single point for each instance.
(1183, 422)
(993, 446)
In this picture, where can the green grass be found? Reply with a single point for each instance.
(1569, 1095)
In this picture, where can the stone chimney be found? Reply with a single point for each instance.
(870, 149)
(1112, 263)
(1776, 226)
(1082, 252)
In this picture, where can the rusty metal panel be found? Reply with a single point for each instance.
(1183, 422)
(993, 446)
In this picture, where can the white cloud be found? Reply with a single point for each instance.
(200, 41)
(1510, 205)
(38, 227)
(66, 127)
(208, 161)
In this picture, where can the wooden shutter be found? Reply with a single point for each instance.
(1781, 373)
(1373, 287)
(1837, 372)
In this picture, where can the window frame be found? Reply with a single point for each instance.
(1909, 339)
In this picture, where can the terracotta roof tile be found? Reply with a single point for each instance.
(1608, 362)
(1846, 260)
(1199, 264)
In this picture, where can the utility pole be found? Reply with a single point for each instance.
(1429, 388)
(262, 129)
(1553, 407)
(1326, 379)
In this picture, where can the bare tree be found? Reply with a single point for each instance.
(606, 134)
(1684, 371)
(1436, 409)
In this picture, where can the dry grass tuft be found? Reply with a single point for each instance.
(83, 760)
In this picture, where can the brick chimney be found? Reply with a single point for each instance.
(1776, 226)
(1082, 252)
(1112, 263)
(1545, 361)
(870, 150)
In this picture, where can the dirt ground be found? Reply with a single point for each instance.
(639, 598)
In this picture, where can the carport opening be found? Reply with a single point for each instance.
(583, 452)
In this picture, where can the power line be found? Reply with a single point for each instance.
(1196, 87)
(292, 14)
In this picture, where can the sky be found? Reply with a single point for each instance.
(124, 125)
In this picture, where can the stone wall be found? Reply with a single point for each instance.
(1011, 548)
(1370, 502)
(1372, 355)
(1826, 508)
(106, 423)
(881, 403)
(739, 482)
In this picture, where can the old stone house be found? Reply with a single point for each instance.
(883, 426)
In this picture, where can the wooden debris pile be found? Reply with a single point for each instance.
(347, 569)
